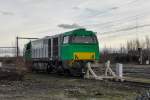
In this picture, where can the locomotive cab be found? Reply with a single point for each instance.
(79, 48)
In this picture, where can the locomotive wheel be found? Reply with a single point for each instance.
(49, 68)
(76, 72)
(60, 69)
(76, 69)
(67, 72)
(66, 69)
(34, 70)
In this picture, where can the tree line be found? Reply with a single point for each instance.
(133, 51)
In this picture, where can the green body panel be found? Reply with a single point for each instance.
(79, 32)
(68, 50)
(28, 53)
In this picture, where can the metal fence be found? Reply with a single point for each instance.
(7, 51)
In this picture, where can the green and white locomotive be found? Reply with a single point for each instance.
(67, 52)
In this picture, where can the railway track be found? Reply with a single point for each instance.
(135, 84)
(125, 83)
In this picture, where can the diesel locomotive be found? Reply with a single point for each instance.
(67, 52)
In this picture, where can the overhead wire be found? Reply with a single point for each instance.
(115, 23)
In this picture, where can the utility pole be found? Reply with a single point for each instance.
(137, 27)
(140, 56)
(17, 45)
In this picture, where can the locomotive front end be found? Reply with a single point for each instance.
(79, 48)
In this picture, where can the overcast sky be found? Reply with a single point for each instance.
(115, 21)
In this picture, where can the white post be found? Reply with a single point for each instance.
(147, 62)
(90, 69)
(107, 65)
(109, 70)
(87, 75)
(0, 64)
(119, 70)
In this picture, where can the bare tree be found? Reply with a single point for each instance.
(137, 44)
(147, 42)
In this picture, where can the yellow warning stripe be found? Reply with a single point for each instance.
(84, 55)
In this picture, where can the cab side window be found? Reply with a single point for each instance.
(66, 40)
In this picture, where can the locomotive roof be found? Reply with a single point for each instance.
(81, 31)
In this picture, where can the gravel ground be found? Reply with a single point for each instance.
(42, 86)
(51, 87)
